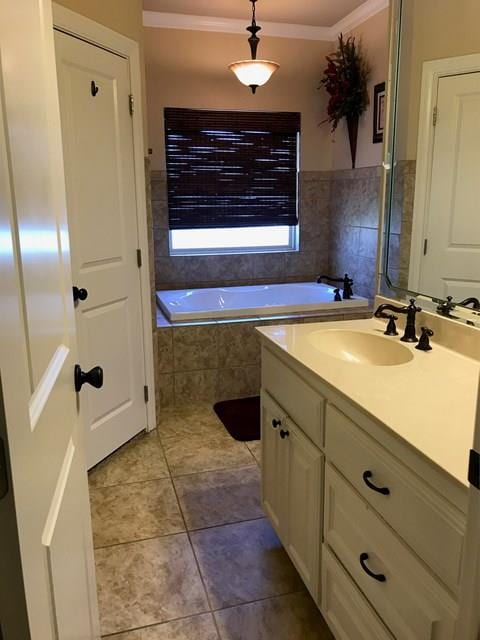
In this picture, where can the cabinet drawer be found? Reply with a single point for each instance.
(411, 603)
(427, 522)
(302, 403)
(347, 612)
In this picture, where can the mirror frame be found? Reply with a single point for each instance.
(461, 314)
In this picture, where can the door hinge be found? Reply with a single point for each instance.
(435, 116)
(139, 258)
(145, 393)
(474, 469)
(131, 104)
(425, 246)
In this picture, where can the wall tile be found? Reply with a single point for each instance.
(165, 350)
(238, 382)
(195, 347)
(238, 344)
(195, 387)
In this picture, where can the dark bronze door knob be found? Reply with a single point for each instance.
(79, 294)
(93, 377)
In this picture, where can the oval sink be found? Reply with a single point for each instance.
(361, 348)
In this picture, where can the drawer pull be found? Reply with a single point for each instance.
(376, 576)
(284, 434)
(276, 423)
(366, 478)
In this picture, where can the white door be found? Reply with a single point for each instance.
(451, 265)
(94, 87)
(37, 337)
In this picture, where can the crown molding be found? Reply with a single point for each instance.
(231, 25)
(359, 15)
(160, 20)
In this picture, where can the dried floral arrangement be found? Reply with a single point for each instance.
(345, 80)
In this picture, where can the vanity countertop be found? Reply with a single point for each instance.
(429, 402)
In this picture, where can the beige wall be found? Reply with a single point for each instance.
(189, 69)
(433, 29)
(123, 16)
(373, 34)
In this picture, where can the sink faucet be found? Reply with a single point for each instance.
(473, 302)
(411, 311)
(347, 284)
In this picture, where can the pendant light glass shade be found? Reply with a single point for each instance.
(254, 73)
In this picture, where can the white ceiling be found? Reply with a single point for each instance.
(321, 13)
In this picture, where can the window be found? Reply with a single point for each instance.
(232, 180)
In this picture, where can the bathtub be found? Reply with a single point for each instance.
(256, 301)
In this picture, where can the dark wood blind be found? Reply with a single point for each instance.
(231, 168)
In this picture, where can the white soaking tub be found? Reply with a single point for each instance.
(257, 301)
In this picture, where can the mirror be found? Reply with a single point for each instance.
(432, 221)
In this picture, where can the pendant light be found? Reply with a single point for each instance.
(253, 73)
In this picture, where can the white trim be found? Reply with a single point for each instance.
(432, 72)
(90, 31)
(160, 20)
(358, 16)
(231, 25)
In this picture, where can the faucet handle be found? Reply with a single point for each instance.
(391, 329)
(337, 297)
(424, 342)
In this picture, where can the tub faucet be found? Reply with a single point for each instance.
(411, 311)
(473, 302)
(347, 284)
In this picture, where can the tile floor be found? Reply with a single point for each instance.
(183, 550)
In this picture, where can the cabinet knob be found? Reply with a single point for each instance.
(284, 434)
(276, 423)
(376, 576)
(385, 491)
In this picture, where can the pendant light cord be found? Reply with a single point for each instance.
(254, 29)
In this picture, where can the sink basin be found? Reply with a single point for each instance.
(361, 348)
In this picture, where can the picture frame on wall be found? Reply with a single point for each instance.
(379, 106)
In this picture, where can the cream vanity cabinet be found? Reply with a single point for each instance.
(361, 517)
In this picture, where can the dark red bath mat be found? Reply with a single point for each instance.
(241, 418)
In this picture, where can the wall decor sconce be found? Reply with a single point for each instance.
(253, 73)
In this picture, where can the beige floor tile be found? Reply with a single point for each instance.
(290, 617)
(138, 460)
(243, 562)
(255, 448)
(194, 454)
(188, 421)
(200, 627)
(148, 582)
(129, 512)
(220, 497)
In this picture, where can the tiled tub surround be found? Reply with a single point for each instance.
(354, 219)
(183, 548)
(217, 360)
(181, 272)
(400, 237)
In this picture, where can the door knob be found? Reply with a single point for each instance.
(79, 294)
(93, 377)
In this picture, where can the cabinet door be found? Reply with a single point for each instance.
(304, 506)
(274, 464)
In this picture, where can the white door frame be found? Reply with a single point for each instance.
(432, 72)
(78, 26)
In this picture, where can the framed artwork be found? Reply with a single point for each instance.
(378, 112)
